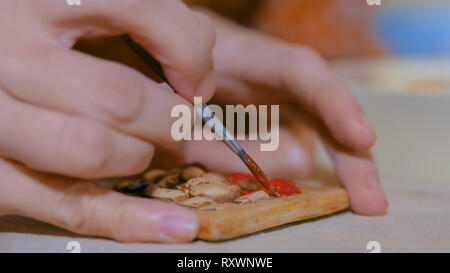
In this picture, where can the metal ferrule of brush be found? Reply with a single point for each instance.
(219, 130)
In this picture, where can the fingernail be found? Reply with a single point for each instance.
(207, 88)
(367, 131)
(382, 196)
(365, 122)
(377, 189)
(178, 229)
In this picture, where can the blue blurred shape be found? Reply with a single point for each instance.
(415, 30)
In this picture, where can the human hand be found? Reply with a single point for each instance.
(84, 207)
(72, 114)
(68, 113)
(252, 68)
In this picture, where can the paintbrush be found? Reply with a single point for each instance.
(207, 115)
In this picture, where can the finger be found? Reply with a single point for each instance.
(88, 86)
(169, 30)
(55, 142)
(294, 157)
(358, 174)
(87, 208)
(328, 98)
(236, 91)
(253, 57)
(355, 170)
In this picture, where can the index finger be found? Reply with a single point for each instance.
(260, 59)
(178, 38)
(358, 174)
(355, 170)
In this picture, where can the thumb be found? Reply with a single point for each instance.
(87, 208)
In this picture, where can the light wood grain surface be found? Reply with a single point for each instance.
(236, 220)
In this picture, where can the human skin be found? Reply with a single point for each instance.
(68, 118)
(255, 68)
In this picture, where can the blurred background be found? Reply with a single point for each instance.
(395, 58)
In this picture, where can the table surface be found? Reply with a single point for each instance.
(418, 220)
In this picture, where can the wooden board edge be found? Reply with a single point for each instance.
(235, 222)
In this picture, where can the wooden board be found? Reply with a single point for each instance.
(230, 220)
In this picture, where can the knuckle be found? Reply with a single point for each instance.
(200, 46)
(121, 97)
(205, 43)
(306, 52)
(75, 209)
(88, 144)
(209, 32)
(142, 159)
(301, 58)
(305, 62)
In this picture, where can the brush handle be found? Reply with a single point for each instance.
(207, 116)
(206, 113)
(220, 130)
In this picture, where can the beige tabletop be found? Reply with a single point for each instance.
(413, 154)
(418, 220)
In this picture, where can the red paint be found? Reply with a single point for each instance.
(279, 185)
(283, 186)
(237, 177)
